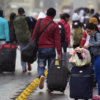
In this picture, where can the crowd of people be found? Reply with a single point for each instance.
(21, 29)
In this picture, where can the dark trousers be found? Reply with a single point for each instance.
(64, 45)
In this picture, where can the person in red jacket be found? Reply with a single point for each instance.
(49, 39)
(64, 21)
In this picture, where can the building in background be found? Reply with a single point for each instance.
(33, 7)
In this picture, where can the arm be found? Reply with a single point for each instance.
(83, 39)
(57, 40)
(6, 30)
(67, 34)
(97, 42)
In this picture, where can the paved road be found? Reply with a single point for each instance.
(10, 84)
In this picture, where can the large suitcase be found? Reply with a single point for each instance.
(58, 78)
(7, 57)
(81, 82)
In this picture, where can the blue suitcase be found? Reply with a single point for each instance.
(81, 82)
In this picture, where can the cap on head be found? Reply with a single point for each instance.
(51, 12)
(21, 11)
(93, 20)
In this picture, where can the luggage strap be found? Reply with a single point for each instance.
(42, 30)
(78, 75)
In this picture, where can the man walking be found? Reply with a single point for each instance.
(22, 26)
(49, 39)
(4, 29)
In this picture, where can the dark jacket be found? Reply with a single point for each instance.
(12, 33)
(31, 23)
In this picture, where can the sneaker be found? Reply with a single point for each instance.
(29, 66)
(24, 71)
(96, 97)
(41, 84)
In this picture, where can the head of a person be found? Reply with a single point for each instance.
(94, 21)
(51, 12)
(65, 16)
(2, 13)
(91, 28)
(12, 16)
(21, 11)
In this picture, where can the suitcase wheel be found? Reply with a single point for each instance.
(62, 91)
(49, 91)
(0, 71)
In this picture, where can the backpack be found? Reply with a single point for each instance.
(29, 53)
(31, 23)
(21, 29)
(62, 31)
(77, 36)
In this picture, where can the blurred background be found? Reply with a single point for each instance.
(33, 7)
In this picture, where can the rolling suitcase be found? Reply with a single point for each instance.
(81, 82)
(57, 78)
(7, 58)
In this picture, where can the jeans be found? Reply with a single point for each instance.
(45, 54)
(22, 45)
(97, 70)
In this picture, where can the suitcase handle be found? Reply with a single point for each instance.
(58, 60)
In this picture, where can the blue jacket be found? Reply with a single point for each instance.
(95, 44)
(4, 29)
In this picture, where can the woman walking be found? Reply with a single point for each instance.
(94, 46)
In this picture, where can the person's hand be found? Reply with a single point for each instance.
(59, 57)
(69, 46)
(86, 46)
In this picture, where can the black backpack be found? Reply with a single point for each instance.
(31, 23)
(29, 53)
(62, 31)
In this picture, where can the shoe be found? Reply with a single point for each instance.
(96, 97)
(29, 67)
(24, 71)
(41, 84)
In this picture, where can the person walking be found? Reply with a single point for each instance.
(4, 29)
(77, 30)
(94, 47)
(65, 35)
(12, 34)
(49, 39)
(23, 34)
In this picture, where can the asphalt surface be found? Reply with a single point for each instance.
(11, 85)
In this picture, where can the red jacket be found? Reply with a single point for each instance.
(50, 37)
(67, 31)
(83, 38)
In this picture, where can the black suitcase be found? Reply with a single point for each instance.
(58, 78)
(81, 82)
(7, 58)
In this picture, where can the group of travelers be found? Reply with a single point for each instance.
(55, 37)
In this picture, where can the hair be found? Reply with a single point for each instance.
(12, 16)
(92, 26)
(64, 16)
(51, 12)
(21, 11)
